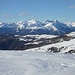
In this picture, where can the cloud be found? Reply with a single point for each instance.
(24, 14)
(7, 16)
(33, 17)
(72, 7)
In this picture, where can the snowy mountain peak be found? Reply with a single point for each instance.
(46, 27)
(50, 21)
(50, 27)
(0, 22)
(33, 21)
(70, 24)
(55, 21)
(20, 22)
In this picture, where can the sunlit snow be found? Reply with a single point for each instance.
(36, 63)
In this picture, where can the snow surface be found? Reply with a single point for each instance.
(36, 63)
(24, 38)
(41, 36)
(68, 45)
(71, 34)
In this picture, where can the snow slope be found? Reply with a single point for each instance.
(36, 63)
(65, 46)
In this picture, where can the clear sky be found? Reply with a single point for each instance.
(16, 10)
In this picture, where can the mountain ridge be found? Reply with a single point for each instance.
(37, 27)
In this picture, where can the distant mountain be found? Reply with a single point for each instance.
(37, 27)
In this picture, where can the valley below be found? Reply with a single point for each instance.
(46, 43)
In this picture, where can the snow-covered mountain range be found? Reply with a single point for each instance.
(37, 27)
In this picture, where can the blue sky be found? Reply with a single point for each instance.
(16, 10)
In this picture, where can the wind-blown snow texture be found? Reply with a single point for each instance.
(37, 27)
(36, 63)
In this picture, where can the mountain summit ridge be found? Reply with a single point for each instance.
(36, 27)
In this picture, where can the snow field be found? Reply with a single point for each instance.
(36, 63)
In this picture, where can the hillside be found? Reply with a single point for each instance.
(46, 43)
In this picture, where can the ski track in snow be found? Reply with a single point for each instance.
(36, 63)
